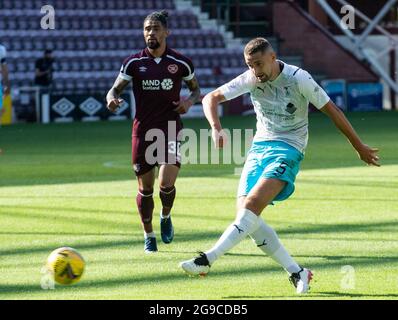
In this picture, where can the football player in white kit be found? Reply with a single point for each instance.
(280, 94)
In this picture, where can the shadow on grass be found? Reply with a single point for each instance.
(135, 240)
(349, 183)
(177, 276)
(355, 295)
(382, 226)
(328, 199)
(15, 211)
(385, 225)
(343, 259)
(121, 229)
(62, 215)
(314, 295)
(77, 140)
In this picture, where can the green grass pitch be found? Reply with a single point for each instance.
(71, 185)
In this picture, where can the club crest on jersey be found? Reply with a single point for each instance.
(173, 68)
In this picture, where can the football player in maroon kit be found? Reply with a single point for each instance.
(157, 73)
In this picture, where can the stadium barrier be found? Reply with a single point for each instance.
(355, 96)
(70, 108)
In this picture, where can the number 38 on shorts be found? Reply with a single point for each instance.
(174, 148)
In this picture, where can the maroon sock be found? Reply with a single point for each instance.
(167, 196)
(145, 205)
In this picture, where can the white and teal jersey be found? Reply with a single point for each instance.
(281, 105)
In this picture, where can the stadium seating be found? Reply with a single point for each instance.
(92, 38)
(87, 4)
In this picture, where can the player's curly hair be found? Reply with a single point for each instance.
(161, 16)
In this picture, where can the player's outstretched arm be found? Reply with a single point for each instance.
(366, 153)
(112, 98)
(183, 106)
(210, 104)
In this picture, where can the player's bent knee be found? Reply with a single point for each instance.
(145, 187)
(253, 204)
(240, 202)
(166, 186)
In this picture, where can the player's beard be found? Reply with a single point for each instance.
(153, 44)
(264, 78)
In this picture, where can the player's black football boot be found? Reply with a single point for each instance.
(150, 245)
(301, 280)
(196, 266)
(166, 229)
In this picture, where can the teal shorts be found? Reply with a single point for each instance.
(270, 159)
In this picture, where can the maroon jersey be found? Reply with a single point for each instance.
(156, 84)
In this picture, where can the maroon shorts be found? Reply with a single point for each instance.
(148, 154)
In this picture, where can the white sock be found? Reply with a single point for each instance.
(267, 240)
(149, 235)
(246, 221)
(162, 216)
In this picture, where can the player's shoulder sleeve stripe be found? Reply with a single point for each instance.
(242, 84)
(190, 77)
(294, 73)
(186, 64)
(125, 71)
(125, 76)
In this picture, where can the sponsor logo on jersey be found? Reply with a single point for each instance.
(151, 84)
(173, 68)
(165, 84)
(142, 69)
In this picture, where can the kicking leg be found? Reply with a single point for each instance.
(246, 222)
(267, 241)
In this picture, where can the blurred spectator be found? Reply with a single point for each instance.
(3, 76)
(44, 70)
(3, 79)
(217, 71)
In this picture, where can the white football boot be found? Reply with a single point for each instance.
(301, 280)
(198, 266)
